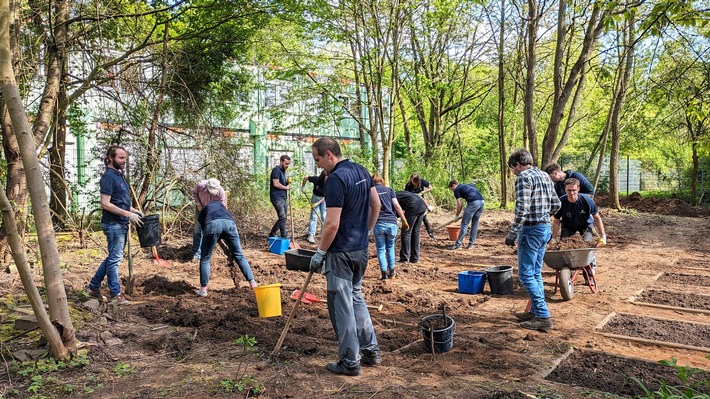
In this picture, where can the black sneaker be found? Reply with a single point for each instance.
(525, 316)
(370, 358)
(384, 276)
(96, 294)
(455, 246)
(391, 273)
(469, 246)
(339, 368)
(431, 235)
(537, 324)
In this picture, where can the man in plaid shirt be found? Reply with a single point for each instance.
(536, 200)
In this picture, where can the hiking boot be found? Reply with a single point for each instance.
(455, 246)
(370, 358)
(120, 300)
(96, 294)
(311, 239)
(524, 316)
(391, 273)
(537, 324)
(469, 246)
(431, 235)
(340, 368)
(384, 276)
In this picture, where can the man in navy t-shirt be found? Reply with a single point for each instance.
(559, 177)
(278, 188)
(353, 207)
(471, 214)
(116, 214)
(578, 214)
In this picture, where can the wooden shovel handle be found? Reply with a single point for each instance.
(293, 311)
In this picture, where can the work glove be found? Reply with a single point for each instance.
(135, 219)
(457, 218)
(139, 213)
(553, 240)
(510, 239)
(318, 261)
(602, 241)
(288, 181)
(303, 189)
(405, 225)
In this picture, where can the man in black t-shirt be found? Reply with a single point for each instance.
(415, 210)
(278, 188)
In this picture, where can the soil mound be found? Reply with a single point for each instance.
(661, 206)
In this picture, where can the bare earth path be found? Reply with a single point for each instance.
(181, 345)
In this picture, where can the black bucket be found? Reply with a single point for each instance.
(443, 338)
(149, 233)
(500, 279)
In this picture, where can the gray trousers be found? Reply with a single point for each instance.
(346, 306)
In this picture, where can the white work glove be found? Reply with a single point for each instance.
(303, 189)
(135, 219)
(318, 261)
(553, 240)
(139, 213)
(603, 240)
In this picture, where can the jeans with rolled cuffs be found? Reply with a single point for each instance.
(346, 306)
(116, 237)
(226, 230)
(320, 208)
(385, 234)
(471, 214)
(532, 242)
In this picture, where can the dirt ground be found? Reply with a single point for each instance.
(175, 344)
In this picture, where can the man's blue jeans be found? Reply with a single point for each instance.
(116, 237)
(214, 231)
(346, 306)
(385, 233)
(197, 236)
(532, 241)
(471, 214)
(280, 225)
(314, 216)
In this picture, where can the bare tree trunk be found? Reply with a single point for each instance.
(629, 39)
(56, 294)
(529, 109)
(501, 112)
(57, 154)
(694, 177)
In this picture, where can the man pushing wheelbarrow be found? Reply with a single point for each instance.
(578, 214)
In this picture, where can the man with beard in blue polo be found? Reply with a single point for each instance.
(353, 207)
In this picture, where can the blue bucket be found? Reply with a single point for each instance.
(471, 282)
(278, 245)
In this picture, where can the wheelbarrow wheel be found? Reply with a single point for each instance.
(566, 286)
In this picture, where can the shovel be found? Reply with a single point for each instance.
(441, 226)
(290, 316)
(293, 244)
(131, 282)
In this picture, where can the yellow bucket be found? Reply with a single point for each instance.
(268, 300)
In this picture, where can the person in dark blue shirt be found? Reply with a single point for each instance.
(414, 209)
(218, 224)
(471, 214)
(578, 214)
(317, 202)
(385, 230)
(417, 185)
(278, 188)
(116, 214)
(559, 177)
(353, 207)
